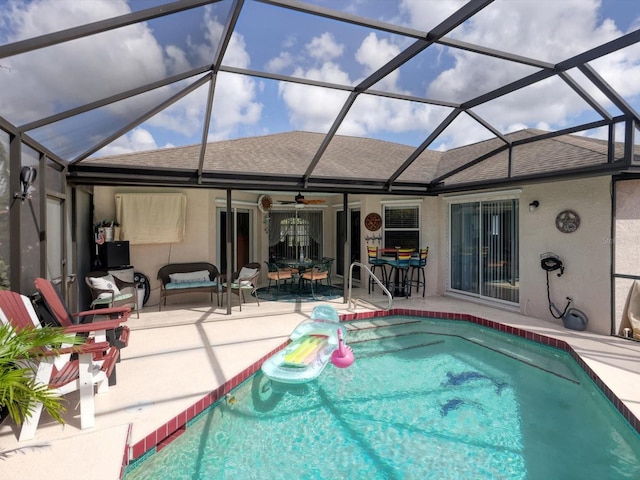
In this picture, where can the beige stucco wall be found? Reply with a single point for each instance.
(585, 253)
(429, 234)
(200, 241)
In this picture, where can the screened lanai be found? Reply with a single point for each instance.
(437, 97)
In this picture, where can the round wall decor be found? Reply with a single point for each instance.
(567, 221)
(373, 222)
(264, 203)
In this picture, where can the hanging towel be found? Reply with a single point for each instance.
(151, 217)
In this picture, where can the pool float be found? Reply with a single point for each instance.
(342, 357)
(312, 343)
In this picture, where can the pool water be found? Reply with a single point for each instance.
(425, 399)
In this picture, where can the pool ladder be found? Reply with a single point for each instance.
(357, 300)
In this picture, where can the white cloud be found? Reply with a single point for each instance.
(324, 47)
(280, 63)
(558, 31)
(424, 15)
(315, 109)
(75, 73)
(374, 53)
(136, 140)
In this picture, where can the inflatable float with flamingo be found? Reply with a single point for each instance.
(313, 344)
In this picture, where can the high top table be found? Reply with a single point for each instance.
(390, 256)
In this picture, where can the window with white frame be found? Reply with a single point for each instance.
(402, 226)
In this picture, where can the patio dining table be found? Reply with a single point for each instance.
(294, 263)
(297, 264)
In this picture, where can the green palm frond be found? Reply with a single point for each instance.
(19, 353)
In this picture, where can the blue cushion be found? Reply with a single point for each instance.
(183, 285)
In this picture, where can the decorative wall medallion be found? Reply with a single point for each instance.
(264, 203)
(373, 222)
(567, 221)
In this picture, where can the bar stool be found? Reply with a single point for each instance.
(374, 261)
(400, 272)
(418, 263)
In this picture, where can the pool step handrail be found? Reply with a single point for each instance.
(357, 300)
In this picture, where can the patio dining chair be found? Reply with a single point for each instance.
(329, 261)
(278, 275)
(417, 264)
(246, 280)
(316, 274)
(375, 262)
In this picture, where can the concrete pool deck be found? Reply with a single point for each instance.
(177, 357)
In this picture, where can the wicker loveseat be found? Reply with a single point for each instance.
(194, 277)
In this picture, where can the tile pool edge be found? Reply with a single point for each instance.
(162, 436)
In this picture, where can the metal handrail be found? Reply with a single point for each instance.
(355, 302)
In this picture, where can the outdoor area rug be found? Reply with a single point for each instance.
(288, 294)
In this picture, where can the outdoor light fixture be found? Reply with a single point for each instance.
(27, 177)
(533, 205)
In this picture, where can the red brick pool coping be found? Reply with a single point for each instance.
(162, 436)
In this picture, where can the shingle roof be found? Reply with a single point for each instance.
(289, 154)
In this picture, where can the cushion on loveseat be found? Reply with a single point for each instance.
(183, 285)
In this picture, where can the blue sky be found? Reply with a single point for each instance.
(291, 43)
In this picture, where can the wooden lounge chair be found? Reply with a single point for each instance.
(60, 314)
(61, 372)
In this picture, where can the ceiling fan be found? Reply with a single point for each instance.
(300, 200)
(265, 202)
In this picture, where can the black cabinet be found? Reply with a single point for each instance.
(113, 254)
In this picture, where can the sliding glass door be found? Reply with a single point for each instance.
(484, 249)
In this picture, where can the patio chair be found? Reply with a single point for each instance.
(51, 301)
(316, 274)
(376, 262)
(329, 261)
(62, 373)
(278, 274)
(417, 264)
(246, 280)
(109, 291)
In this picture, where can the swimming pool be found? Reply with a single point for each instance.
(425, 399)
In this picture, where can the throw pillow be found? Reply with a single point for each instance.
(197, 276)
(247, 273)
(105, 283)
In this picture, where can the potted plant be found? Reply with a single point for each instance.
(19, 391)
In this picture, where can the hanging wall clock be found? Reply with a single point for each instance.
(567, 221)
(373, 222)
